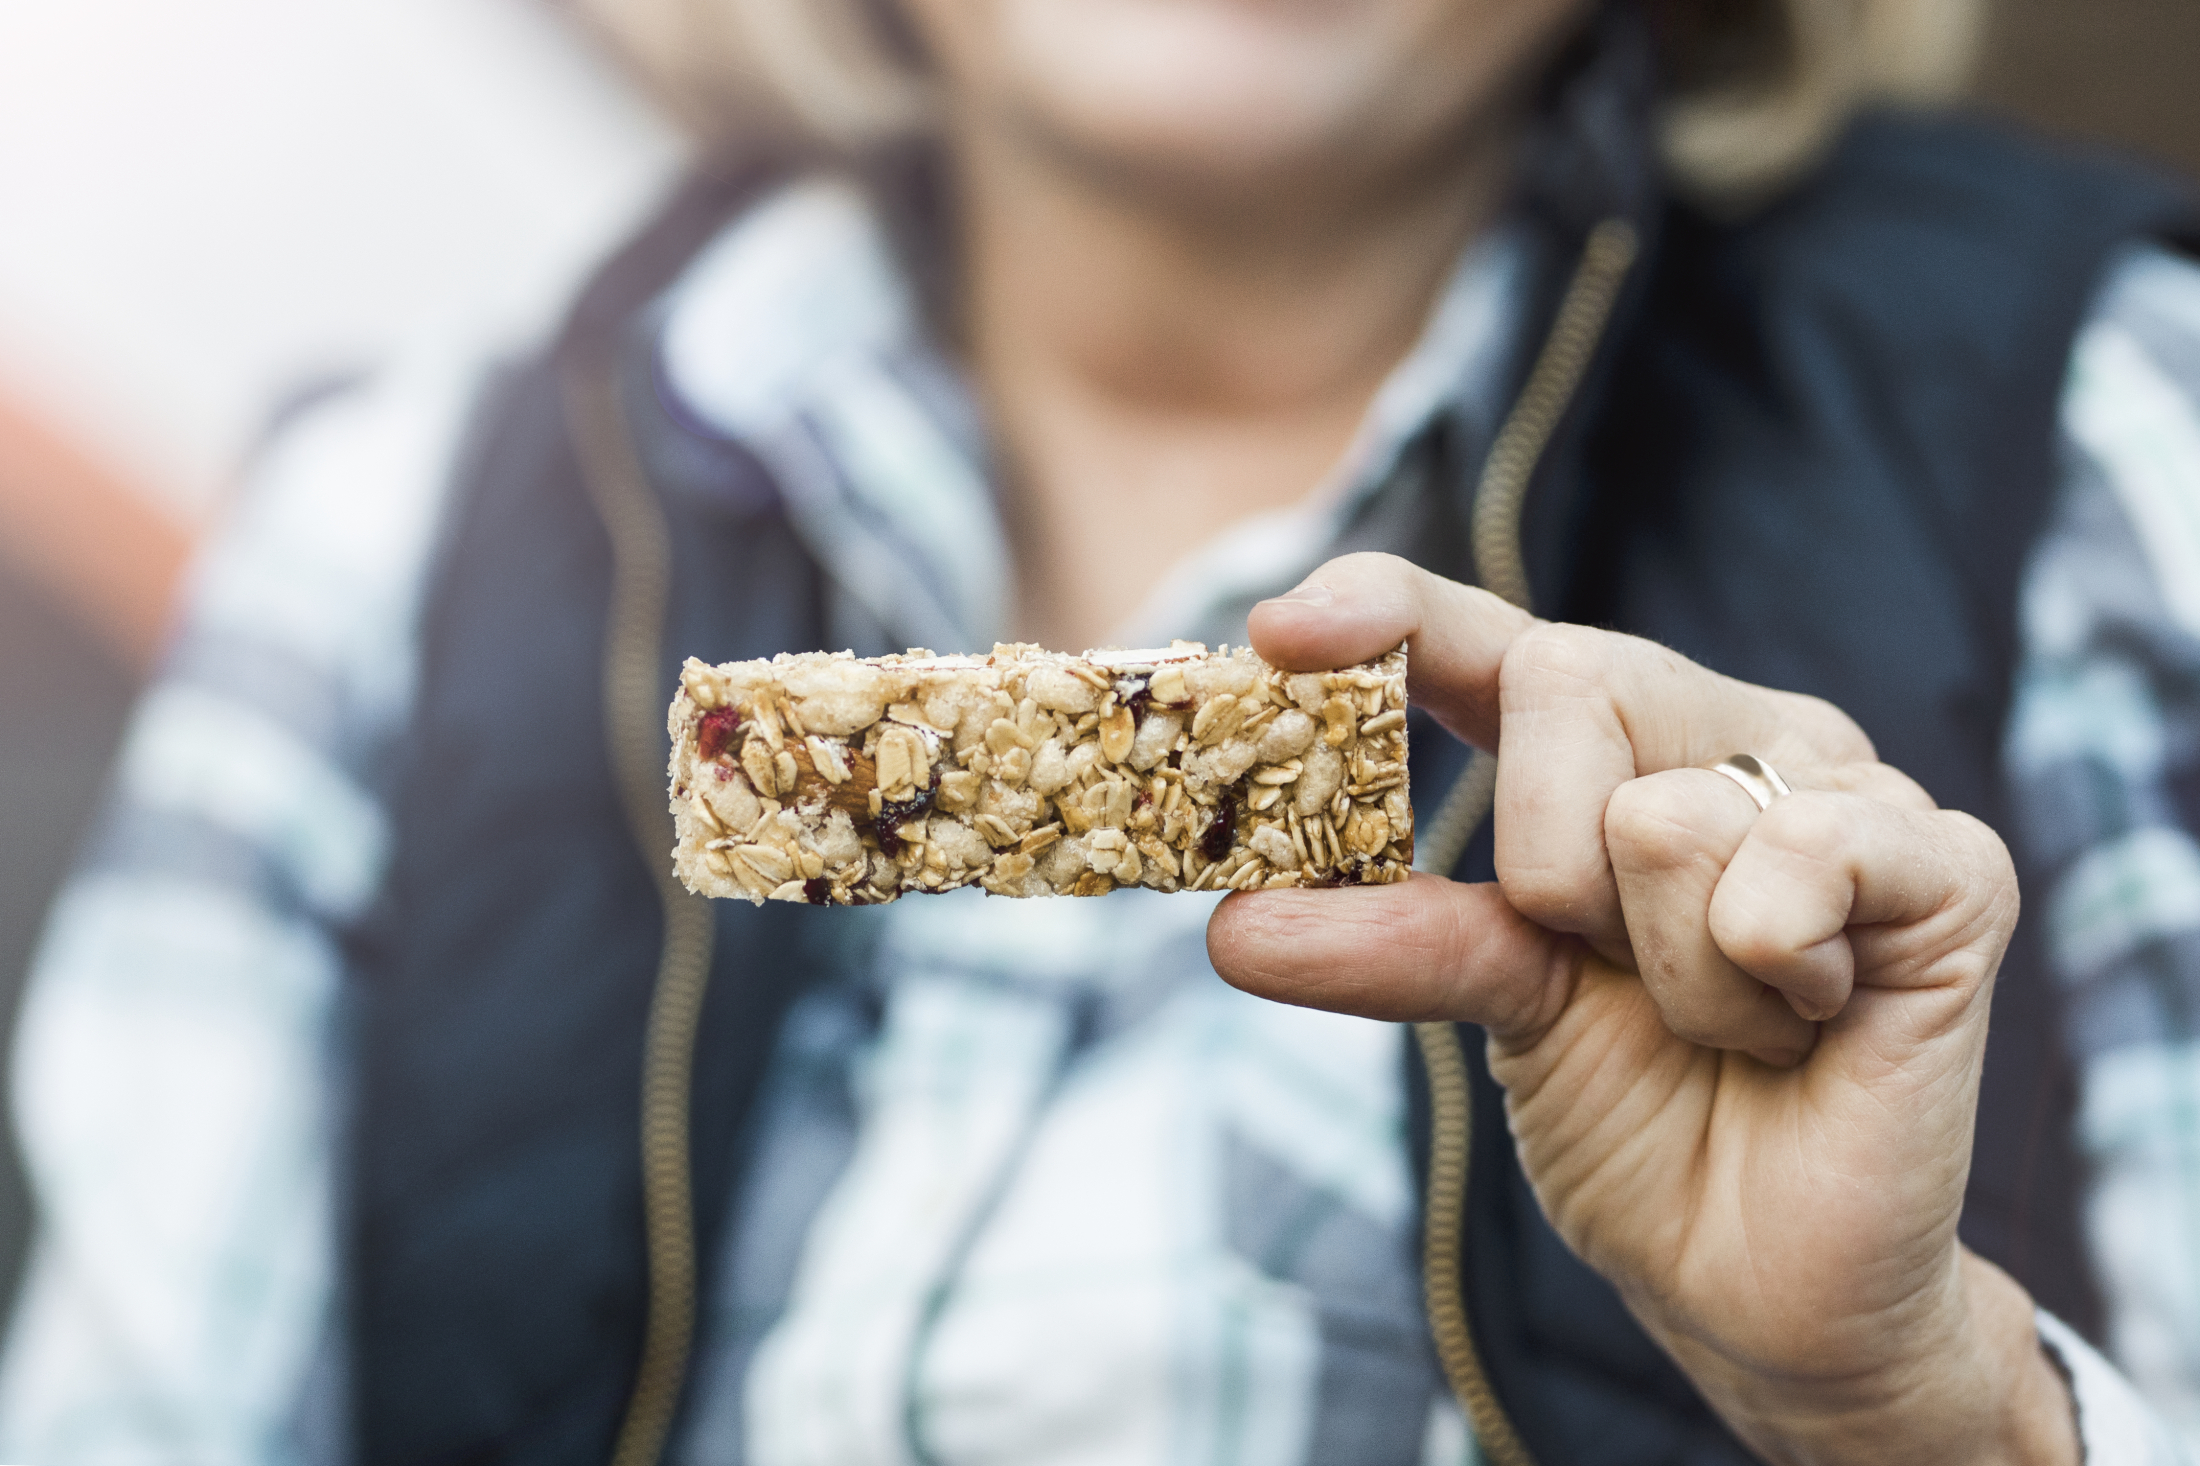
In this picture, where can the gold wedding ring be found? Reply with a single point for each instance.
(1759, 780)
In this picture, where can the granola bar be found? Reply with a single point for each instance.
(838, 781)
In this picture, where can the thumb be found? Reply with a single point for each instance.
(1424, 949)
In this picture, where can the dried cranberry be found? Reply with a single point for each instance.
(715, 734)
(816, 891)
(895, 813)
(1135, 693)
(1221, 831)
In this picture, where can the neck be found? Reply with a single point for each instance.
(1148, 360)
(1164, 303)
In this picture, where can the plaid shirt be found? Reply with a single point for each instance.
(2104, 763)
(171, 1080)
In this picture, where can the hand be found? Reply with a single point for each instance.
(1740, 1051)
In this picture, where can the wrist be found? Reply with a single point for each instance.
(2047, 1417)
(1976, 1389)
(2033, 1420)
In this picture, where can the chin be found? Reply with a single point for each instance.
(1204, 92)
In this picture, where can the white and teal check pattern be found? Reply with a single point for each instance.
(2104, 762)
(171, 1079)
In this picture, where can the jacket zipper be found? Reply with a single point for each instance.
(1499, 499)
(641, 582)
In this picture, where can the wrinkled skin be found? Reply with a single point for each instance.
(1741, 1051)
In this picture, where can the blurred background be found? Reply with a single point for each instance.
(207, 208)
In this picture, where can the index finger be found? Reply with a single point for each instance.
(1357, 607)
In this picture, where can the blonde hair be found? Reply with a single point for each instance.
(1759, 88)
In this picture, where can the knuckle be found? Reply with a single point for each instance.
(1692, 1024)
(1833, 733)
(1982, 845)
(1649, 824)
(1696, 1028)
(1888, 785)
(1555, 654)
(1816, 827)
(1443, 934)
(1550, 894)
(1753, 938)
(1761, 928)
(1694, 1018)
(1990, 871)
(1371, 565)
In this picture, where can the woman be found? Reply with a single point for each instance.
(1096, 320)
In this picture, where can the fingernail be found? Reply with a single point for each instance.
(1309, 593)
